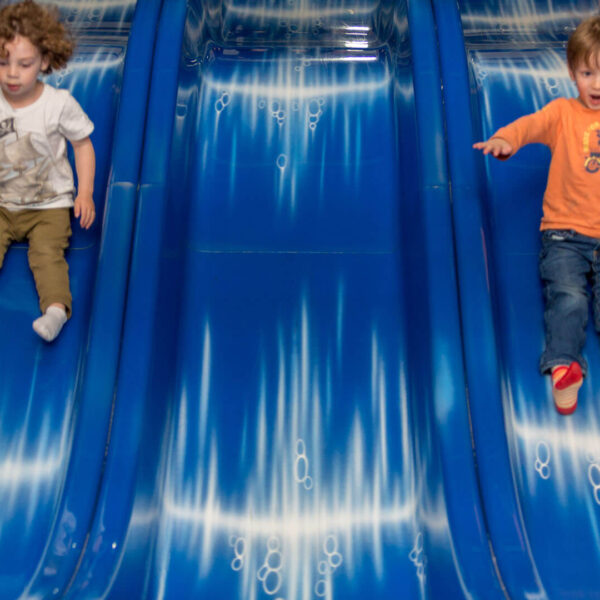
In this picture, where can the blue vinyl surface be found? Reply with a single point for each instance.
(55, 400)
(276, 433)
(297, 366)
(538, 470)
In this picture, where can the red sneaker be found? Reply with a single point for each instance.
(566, 382)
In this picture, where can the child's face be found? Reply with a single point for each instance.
(20, 67)
(587, 79)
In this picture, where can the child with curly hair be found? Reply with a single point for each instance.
(570, 253)
(36, 179)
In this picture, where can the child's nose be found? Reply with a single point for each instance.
(13, 70)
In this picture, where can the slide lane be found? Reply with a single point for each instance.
(290, 418)
(539, 471)
(55, 400)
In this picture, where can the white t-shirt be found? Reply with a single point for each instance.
(34, 168)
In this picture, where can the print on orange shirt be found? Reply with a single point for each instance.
(592, 149)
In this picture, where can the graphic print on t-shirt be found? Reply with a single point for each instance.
(7, 126)
(23, 170)
(591, 147)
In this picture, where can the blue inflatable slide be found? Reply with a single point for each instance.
(302, 362)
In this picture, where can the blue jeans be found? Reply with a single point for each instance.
(568, 260)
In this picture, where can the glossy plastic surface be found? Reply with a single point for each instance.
(55, 400)
(269, 400)
(539, 471)
(290, 418)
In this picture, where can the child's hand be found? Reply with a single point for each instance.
(85, 164)
(84, 208)
(497, 147)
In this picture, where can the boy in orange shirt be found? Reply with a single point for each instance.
(571, 210)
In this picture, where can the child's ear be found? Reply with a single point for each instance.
(45, 64)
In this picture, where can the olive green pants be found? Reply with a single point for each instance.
(48, 232)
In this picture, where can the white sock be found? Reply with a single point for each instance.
(48, 326)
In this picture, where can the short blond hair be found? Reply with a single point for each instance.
(40, 25)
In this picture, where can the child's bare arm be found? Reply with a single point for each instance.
(496, 146)
(85, 165)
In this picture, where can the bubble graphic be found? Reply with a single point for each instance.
(326, 567)
(269, 572)
(417, 557)
(480, 74)
(594, 479)
(335, 560)
(330, 545)
(277, 112)
(301, 466)
(274, 560)
(551, 85)
(314, 111)
(281, 161)
(322, 588)
(239, 549)
(542, 461)
(222, 102)
(314, 108)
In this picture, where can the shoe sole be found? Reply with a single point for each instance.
(565, 400)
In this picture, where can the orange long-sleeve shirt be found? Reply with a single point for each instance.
(572, 132)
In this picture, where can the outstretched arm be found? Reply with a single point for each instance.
(85, 165)
(496, 146)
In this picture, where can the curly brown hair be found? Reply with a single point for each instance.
(40, 25)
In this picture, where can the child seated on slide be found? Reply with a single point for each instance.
(570, 227)
(36, 179)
